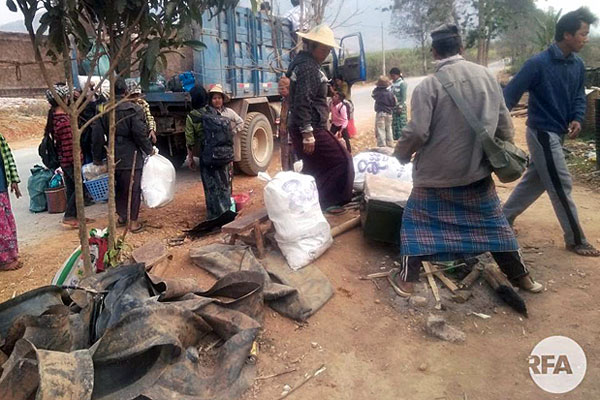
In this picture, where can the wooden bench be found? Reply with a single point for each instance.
(246, 222)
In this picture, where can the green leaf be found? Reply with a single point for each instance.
(11, 5)
(195, 44)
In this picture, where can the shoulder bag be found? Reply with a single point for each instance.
(507, 160)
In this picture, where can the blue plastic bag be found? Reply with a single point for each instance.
(56, 181)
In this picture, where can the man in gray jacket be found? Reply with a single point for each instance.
(453, 211)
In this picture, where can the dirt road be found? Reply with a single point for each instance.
(372, 344)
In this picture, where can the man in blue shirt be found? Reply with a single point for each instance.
(554, 79)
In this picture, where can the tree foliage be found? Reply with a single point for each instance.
(134, 34)
(545, 27)
(484, 20)
(418, 18)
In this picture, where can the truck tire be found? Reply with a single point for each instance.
(256, 144)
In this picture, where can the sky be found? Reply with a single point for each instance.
(369, 20)
(566, 6)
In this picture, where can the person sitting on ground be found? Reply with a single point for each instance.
(323, 156)
(554, 79)
(453, 211)
(9, 179)
(58, 126)
(385, 104)
(131, 136)
(217, 173)
(399, 89)
(134, 92)
(339, 118)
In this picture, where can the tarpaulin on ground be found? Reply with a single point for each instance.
(131, 336)
(294, 294)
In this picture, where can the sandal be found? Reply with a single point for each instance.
(70, 223)
(141, 228)
(74, 223)
(584, 249)
(336, 210)
(392, 280)
(11, 266)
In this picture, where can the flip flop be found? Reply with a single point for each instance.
(139, 229)
(584, 249)
(336, 210)
(71, 224)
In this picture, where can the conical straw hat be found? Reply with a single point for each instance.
(320, 34)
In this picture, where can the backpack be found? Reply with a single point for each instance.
(349, 108)
(218, 140)
(48, 153)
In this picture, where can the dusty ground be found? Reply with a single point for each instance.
(372, 345)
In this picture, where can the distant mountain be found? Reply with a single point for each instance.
(19, 25)
(15, 26)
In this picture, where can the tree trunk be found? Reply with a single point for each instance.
(424, 55)
(110, 159)
(79, 201)
(76, 137)
(481, 32)
(487, 51)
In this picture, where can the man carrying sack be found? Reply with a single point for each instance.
(453, 211)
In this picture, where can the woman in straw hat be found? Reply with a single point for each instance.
(323, 156)
(217, 177)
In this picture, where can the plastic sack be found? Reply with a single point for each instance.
(387, 190)
(91, 171)
(71, 272)
(381, 165)
(301, 230)
(56, 181)
(36, 187)
(158, 181)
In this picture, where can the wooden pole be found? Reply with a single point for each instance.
(129, 193)
(345, 226)
(382, 51)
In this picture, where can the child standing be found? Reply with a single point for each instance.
(339, 118)
(385, 103)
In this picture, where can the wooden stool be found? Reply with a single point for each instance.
(248, 221)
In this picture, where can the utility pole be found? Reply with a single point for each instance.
(382, 50)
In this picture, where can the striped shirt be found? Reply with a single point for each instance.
(63, 137)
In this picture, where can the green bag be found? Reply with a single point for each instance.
(507, 160)
(37, 184)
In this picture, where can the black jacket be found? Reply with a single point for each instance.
(384, 100)
(308, 93)
(131, 135)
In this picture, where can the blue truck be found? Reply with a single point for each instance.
(246, 53)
